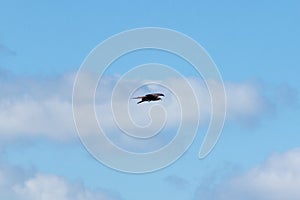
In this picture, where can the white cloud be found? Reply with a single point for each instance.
(35, 107)
(276, 179)
(247, 103)
(50, 117)
(49, 187)
(16, 184)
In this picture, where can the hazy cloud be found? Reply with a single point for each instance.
(176, 182)
(6, 50)
(247, 103)
(35, 107)
(276, 179)
(287, 96)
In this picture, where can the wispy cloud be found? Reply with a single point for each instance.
(6, 50)
(276, 179)
(287, 96)
(248, 103)
(177, 182)
(36, 107)
(32, 107)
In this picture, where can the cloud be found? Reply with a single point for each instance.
(6, 51)
(177, 182)
(287, 96)
(9, 176)
(247, 103)
(276, 179)
(33, 107)
(17, 184)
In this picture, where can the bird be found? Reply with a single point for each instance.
(149, 97)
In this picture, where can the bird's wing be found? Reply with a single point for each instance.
(137, 97)
(158, 94)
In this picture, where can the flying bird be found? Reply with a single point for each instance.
(149, 97)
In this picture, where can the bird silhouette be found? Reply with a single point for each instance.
(149, 97)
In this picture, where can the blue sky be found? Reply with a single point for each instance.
(255, 46)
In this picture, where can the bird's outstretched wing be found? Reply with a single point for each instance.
(137, 97)
(158, 94)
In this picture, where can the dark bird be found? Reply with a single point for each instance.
(149, 97)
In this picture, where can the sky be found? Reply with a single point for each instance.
(254, 44)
